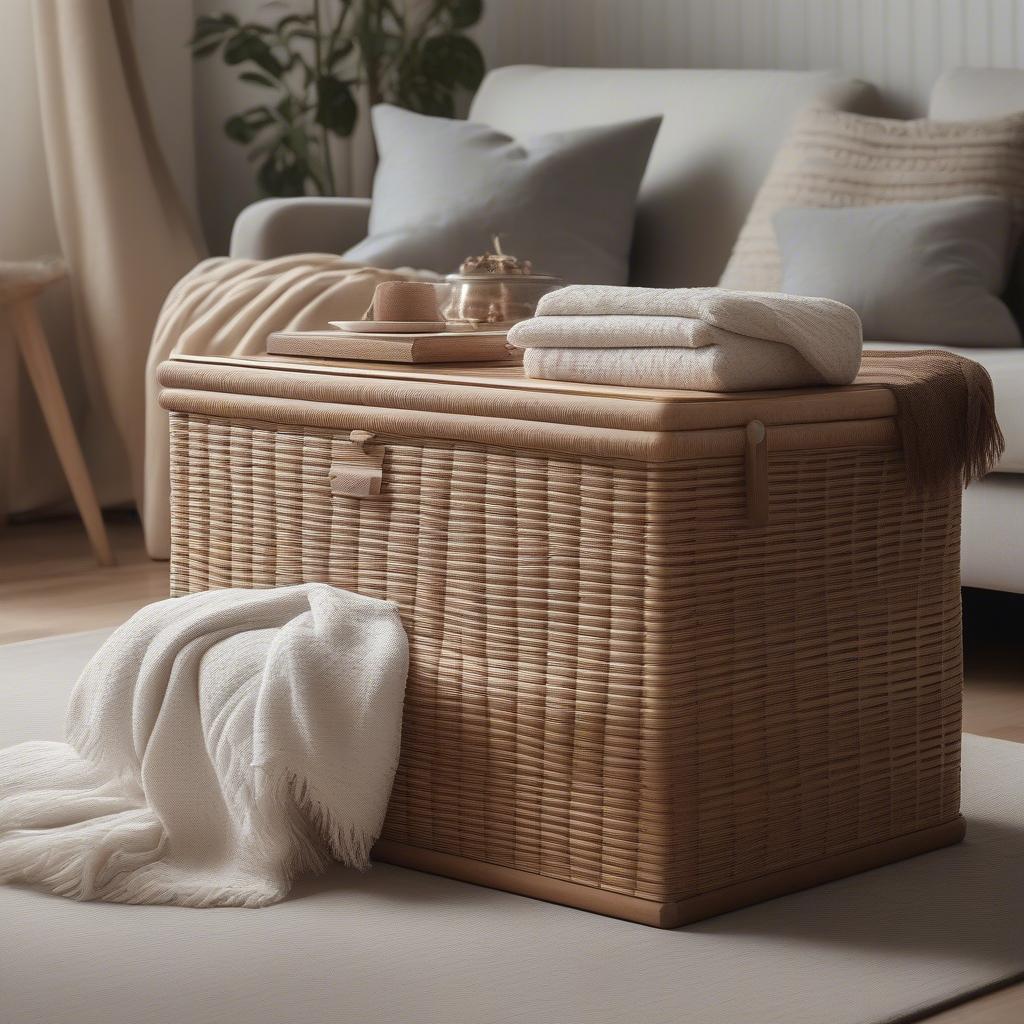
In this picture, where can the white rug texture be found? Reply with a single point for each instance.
(399, 947)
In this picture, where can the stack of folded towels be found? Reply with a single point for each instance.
(700, 339)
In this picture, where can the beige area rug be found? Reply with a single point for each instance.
(398, 946)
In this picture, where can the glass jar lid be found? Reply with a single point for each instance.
(497, 266)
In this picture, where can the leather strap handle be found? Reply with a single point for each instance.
(756, 460)
(357, 471)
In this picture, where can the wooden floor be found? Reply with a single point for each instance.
(49, 584)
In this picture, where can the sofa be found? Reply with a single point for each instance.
(719, 132)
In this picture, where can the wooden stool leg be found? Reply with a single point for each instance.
(43, 374)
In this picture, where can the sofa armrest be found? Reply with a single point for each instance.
(279, 227)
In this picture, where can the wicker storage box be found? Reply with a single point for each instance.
(672, 653)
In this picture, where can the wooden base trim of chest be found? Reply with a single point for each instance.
(675, 913)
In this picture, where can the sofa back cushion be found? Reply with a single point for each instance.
(967, 94)
(719, 132)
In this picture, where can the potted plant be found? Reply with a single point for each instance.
(314, 64)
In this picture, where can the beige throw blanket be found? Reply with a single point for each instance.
(227, 307)
(705, 339)
(218, 744)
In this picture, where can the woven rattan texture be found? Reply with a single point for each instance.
(614, 680)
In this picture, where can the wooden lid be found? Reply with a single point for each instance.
(502, 390)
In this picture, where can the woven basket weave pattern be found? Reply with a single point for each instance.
(614, 680)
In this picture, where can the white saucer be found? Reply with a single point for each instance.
(399, 326)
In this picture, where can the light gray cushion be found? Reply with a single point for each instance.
(967, 94)
(565, 201)
(927, 272)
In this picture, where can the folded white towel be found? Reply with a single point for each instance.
(620, 331)
(823, 334)
(743, 365)
(757, 314)
(217, 744)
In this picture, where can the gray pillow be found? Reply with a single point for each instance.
(925, 272)
(565, 201)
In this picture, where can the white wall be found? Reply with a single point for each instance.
(900, 45)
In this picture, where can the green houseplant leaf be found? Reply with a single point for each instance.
(452, 60)
(212, 25)
(249, 45)
(336, 106)
(246, 126)
(257, 79)
(465, 13)
(316, 62)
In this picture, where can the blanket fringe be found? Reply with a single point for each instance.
(947, 415)
(344, 841)
(67, 862)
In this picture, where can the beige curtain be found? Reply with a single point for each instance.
(123, 229)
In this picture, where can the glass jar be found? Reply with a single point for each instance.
(496, 290)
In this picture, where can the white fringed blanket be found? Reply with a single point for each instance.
(218, 744)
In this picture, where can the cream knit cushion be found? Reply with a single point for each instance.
(836, 159)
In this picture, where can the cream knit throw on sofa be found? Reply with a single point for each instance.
(217, 745)
(703, 339)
